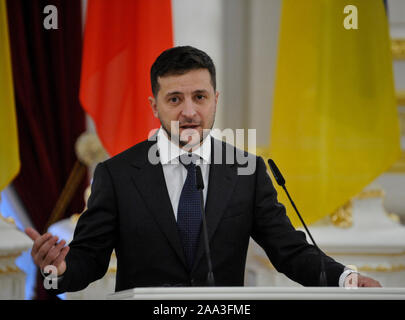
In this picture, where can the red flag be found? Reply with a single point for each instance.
(121, 41)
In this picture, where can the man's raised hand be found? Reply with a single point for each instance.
(47, 251)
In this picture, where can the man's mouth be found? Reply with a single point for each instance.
(189, 126)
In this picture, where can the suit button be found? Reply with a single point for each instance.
(192, 282)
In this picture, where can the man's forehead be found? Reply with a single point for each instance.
(199, 79)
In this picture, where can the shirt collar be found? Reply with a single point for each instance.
(168, 151)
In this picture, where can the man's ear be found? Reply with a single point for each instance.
(152, 102)
(216, 96)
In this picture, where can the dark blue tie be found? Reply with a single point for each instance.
(189, 214)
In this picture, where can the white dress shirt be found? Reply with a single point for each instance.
(175, 173)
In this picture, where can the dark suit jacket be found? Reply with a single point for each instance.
(130, 210)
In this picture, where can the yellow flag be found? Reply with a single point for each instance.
(334, 124)
(9, 155)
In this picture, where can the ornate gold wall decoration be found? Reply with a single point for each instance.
(401, 99)
(343, 217)
(363, 268)
(370, 194)
(398, 49)
(367, 254)
(382, 268)
(9, 270)
(9, 219)
(10, 256)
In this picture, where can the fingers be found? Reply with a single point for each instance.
(32, 233)
(45, 247)
(39, 242)
(47, 251)
(61, 257)
(368, 282)
(53, 253)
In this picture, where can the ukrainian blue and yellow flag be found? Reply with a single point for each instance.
(9, 154)
(334, 125)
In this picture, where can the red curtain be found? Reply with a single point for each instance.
(46, 71)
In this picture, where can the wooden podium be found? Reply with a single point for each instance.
(259, 293)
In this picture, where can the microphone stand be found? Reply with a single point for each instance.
(281, 182)
(200, 188)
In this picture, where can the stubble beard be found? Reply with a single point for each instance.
(182, 143)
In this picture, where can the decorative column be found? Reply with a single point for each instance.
(12, 244)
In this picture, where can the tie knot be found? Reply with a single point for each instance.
(188, 160)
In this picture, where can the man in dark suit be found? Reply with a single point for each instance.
(144, 203)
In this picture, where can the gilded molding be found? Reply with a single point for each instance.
(10, 256)
(368, 254)
(365, 268)
(382, 268)
(343, 217)
(10, 270)
(400, 97)
(398, 49)
(370, 194)
(8, 220)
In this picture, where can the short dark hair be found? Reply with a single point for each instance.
(179, 60)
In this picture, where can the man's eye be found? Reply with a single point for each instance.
(200, 97)
(174, 99)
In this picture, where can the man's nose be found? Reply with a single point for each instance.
(189, 109)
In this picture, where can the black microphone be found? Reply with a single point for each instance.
(200, 187)
(281, 182)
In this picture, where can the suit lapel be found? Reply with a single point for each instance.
(222, 179)
(149, 181)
